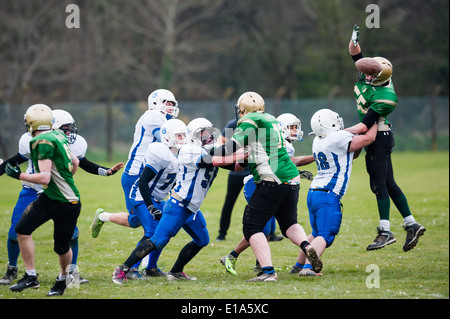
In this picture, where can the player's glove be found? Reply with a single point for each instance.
(13, 171)
(114, 169)
(306, 175)
(355, 35)
(156, 213)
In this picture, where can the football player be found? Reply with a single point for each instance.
(291, 131)
(60, 200)
(197, 171)
(333, 150)
(64, 122)
(376, 99)
(148, 193)
(277, 179)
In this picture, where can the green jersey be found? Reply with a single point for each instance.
(381, 99)
(53, 145)
(268, 158)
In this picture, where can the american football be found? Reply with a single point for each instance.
(368, 66)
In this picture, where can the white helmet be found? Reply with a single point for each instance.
(202, 132)
(157, 101)
(66, 124)
(291, 126)
(326, 121)
(173, 133)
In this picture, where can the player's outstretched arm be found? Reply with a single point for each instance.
(353, 46)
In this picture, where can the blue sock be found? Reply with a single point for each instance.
(307, 266)
(13, 251)
(268, 270)
(299, 265)
(74, 246)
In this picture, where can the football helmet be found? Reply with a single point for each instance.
(249, 102)
(202, 132)
(173, 133)
(291, 126)
(385, 73)
(326, 121)
(158, 99)
(66, 124)
(38, 117)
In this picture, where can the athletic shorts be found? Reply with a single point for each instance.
(270, 199)
(64, 216)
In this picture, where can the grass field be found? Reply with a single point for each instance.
(421, 273)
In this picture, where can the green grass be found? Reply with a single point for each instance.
(421, 273)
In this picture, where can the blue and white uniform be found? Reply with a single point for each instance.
(334, 166)
(161, 160)
(182, 209)
(146, 132)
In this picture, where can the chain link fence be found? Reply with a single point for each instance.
(419, 123)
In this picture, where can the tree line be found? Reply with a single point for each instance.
(202, 49)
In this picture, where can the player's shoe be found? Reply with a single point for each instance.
(308, 272)
(97, 224)
(135, 273)
(413, 232)
(229, 262)
(294, 270)
(60, 286)
(262, 276)
(385, 237)
(11, 274)
(179, 276)
(257, 267)
(25, 283)
(154, 272)
(77, 277)
(313, 258)
(120, 274)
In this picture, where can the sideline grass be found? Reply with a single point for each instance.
(421, 273)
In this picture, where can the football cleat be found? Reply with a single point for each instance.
(308, 272)
(262, 276)
(11, 274)
(77, 277)
(313, 258)
(120, 274)
(154, 272)
(385, 237)
(294, 270)
(97, 224)
(229, 262)
(179, 276)
(25, 283)
(60, 286)
(413, 232)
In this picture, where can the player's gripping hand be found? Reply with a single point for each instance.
(156, 213)
(355, 35)
(13, 171)
(306, 175)
(114, 169)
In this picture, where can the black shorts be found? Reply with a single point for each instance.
(270, 199)
(64, 216)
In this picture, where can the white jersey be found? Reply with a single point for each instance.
(334, 162)
(24, 151)
(193, 182)
(79, 148)
(146, 132)
(160, 159)
(290, 148)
